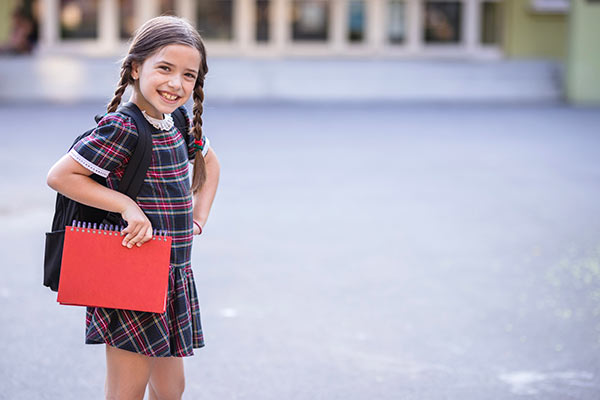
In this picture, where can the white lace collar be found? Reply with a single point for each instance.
(163, 124)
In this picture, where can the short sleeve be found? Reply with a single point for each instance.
(108, 147)
(191, 139)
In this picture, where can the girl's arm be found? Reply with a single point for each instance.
(203, 198)
(71, 179)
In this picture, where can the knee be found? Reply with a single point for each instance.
(171, 391)
(125, 392)
(128, 395)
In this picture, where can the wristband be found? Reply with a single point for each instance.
(198, 225)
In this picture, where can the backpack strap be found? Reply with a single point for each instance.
(180, 123)
(137, 167)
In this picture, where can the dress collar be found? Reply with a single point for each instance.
(162, 124)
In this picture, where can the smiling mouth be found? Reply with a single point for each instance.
(169, 97)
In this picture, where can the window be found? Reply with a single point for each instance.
(262, 20)
(127, 19)
(550, 6)
(491, 22)
(396, 21)
(356, 20)
(78, 19)
(214, 19)
(310, 20)
(442, 21)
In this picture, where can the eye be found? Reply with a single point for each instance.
(164, 68)
(190, 75)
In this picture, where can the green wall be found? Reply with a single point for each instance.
(528, 34)
(583, 64)
(6, 11)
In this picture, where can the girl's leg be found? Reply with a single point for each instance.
(167, 380)
(127, 374)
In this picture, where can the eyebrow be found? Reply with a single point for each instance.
(172, 65)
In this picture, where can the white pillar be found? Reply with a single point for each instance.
(50, 23)
(414, 26)
(185, 9)
(470, 31)
(245, 22)
(376, 25)
(338, 23)
(280, 22)
(145, 10)
(108, 24)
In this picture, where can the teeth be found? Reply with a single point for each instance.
(168, 96)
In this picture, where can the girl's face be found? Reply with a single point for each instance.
(165, 80)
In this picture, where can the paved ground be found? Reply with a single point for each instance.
(355, 252)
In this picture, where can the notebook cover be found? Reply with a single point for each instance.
(97, 270)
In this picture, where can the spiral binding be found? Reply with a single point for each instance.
(110, 229)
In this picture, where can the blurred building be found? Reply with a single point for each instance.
(374, 29)
(356, 28)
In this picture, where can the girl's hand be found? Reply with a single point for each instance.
(139, 228)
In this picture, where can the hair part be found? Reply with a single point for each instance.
(152, 36)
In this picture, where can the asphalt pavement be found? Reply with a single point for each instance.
(355, 251)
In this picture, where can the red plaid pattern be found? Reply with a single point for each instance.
(174, 333)
(165, 197)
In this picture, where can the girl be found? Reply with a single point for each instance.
(165, 65)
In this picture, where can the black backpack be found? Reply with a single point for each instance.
(67, 210)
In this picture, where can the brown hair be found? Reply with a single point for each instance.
(151, 37)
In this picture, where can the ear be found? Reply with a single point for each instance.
(135, 71)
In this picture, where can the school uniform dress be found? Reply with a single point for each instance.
(166, 199)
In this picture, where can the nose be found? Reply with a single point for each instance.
(175, 81)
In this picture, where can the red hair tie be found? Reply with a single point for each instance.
(199, 144)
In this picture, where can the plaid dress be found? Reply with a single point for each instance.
(166, 199)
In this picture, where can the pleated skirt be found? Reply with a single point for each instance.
(175, 333)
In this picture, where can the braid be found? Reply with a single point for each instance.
(123, 83)
(199, 166)
(149, 38)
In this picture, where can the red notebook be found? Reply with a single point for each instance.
(97, 270)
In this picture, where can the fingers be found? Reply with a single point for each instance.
(139, 227)
(136, 234)
(147, 236)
